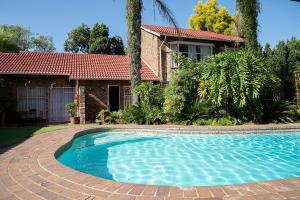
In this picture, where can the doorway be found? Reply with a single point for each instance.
(114, 97)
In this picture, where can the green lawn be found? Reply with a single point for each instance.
(13, 135)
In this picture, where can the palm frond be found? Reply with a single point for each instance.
(165, 12)
(296, 0)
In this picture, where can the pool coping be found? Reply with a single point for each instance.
(31, 171)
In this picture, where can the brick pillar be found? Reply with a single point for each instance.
(82, 104)
(297, 80)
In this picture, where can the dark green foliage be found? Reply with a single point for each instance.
(117, 46)
(181, 90)
(280, 112)
(151, 102)
(236, 81)
(71, 108)
(43, 43)
(78, 40)
(99, 39)
(134, 114)
(114, 118)
(284, 60)
(249, 10)
(96, 40)
(15, 38)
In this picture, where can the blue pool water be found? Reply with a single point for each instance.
(186, 159)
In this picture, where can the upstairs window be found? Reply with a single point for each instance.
(196, 51)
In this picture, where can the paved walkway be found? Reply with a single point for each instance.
(30, 171)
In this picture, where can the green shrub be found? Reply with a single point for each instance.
(236, 81)
(181, 91)
(201, 122)
(101, 116)
(151, 101)
(71, 108)
(115, 118)
(134, 114)
(280, 112)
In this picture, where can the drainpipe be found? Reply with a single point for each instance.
(160, 58)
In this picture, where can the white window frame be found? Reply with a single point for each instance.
(37, 98)
(173, 63)
(124, 90)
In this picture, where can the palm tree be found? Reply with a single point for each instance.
(134, 18)
(248, 11)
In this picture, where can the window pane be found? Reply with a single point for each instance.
(183, 48)
(205, 51)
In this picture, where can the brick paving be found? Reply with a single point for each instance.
(30, 171)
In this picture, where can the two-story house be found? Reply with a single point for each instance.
(42, 83)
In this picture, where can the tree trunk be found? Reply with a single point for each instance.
(134, 18)
(249, 9)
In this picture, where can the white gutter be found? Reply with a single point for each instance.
(160, 58)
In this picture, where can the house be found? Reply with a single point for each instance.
(43, 83)
(161, 45)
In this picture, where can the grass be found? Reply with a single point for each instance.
(13, 135)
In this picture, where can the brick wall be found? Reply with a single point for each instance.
(150, 51)
(96, 96)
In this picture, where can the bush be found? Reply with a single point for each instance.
(115, 118)
(151, 101)
(101, 116)
(280, 112)
(71, 108)
(134, 114)
(181, 91)
(236, 81)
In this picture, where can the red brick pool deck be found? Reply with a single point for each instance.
(30, 171)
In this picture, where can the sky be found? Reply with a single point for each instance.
(278, 20)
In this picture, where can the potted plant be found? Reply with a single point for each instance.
(71, 110)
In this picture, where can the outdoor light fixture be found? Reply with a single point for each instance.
(27, 84)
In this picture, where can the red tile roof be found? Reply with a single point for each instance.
(189, 33)
(76, 66)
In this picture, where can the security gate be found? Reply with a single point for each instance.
(58, 99)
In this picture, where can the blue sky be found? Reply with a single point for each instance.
(279, 20)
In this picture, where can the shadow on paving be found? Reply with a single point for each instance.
(12, 136)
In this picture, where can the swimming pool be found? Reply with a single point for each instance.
(185, 159)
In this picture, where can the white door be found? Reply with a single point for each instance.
(58, 99)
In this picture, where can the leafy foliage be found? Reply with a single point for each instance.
(43, 43)
(15, 38)
(151, 101)
(210, 17)
(284, 60)
(134, 114)
(280, 112)
(115, 118)
(180, 91)
(249, 10)
(72, 108)
(93, 40)
(236, 81)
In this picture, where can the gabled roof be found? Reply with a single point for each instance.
(76, 66)
(189, 33)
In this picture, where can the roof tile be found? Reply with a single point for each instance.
(189, 33)
(77, 66)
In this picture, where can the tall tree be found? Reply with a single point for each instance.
(249, 10)
(99, 39)
(117, 46)
(42, 43)
(210, 17)
(15, 38)
(78, 40)
(134, 18)
(93, 40)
